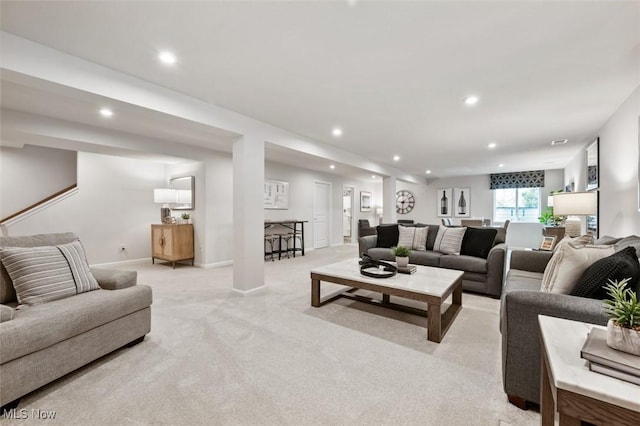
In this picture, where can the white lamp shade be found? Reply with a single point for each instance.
(575, 203)
(164, 195)
(379, 211)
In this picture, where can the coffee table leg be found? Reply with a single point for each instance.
(434, 323)
(385, 298)
(457, 296)
(315, 292)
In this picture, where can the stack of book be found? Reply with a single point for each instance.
(605, 360)
(408, 270)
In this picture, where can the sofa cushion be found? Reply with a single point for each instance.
(630, 241)
(40, 326)
(387, 235)
(46, 273)
(478, 242)
(7, 292)
(381, 253)
(449, 240)
(464, 263)
(426, 258)
(568, 264)
(412, 237)
(431, 236)
(618, 266)
(576, 241)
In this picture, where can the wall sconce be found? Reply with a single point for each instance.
(165, 196)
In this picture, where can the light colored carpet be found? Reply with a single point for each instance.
(216, 358)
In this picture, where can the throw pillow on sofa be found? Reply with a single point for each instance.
(413, 237)
(449, 240)
(45, 273)
(387, 236)
(567, 265)
(618, 266)
(478, 242)
(576, 241)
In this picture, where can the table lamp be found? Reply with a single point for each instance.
(164, 196)
(574, 204)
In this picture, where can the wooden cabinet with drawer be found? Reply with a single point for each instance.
(172, 243)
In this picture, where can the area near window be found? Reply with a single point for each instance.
(516, 204)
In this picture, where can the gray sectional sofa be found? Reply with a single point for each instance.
(43, 342)
(522, 302)
(480, 275)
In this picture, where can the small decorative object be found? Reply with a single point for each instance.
(402, 256)
(443, 202)
(462, 205)
(186, 217)
(623, 328)
(405, 201)
(547, 243)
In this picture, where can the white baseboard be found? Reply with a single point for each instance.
(215, 264)
(254, 291)
(121, 262)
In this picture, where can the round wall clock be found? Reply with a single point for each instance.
(405, 201)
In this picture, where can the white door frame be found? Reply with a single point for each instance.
(353, 214)
(330, 185)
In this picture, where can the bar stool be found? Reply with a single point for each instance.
(296, 235)
(269, 238)
(285, 238)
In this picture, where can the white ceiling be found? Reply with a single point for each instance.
(392, 75)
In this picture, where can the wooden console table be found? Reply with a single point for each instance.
(568, 387)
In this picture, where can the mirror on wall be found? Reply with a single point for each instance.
(186, 192)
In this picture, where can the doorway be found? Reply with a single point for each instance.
(321, 209)
(347, 214)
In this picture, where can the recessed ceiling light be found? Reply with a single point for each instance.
(167, 57)
(337, 132)
(332, 166)
(559, 141)
(500, 165)
(396, 158)
(428, 172)
(106, 112)
(492, 145)
(373, 176)
(471, 100)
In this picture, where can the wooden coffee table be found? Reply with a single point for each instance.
(427, 284)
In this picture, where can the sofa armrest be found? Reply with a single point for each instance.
(530, 260)
(366, 242)
(112, 279)
(6, 313)
(495, 269)
(521, 334)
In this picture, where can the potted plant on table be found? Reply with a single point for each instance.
(402, 256)
(623, 328)
(186, 218)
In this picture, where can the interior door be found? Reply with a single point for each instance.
(321, 206)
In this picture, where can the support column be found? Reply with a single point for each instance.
(248, 214)
(389, 199)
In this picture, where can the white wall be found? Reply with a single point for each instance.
(619, 163)
(31, 174)
(114, 205)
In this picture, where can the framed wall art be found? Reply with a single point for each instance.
(593, 171)
(461, 202)
(365, 201)
(443, 202)
(276, 195)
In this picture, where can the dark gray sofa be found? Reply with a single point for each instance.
(521, 303)
(480, 275)
(43, 342)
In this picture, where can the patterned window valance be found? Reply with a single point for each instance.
(531, 179)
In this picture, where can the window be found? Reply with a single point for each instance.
(516, 204)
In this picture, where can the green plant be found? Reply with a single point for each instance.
(623, 307)
(185, 216)
(400, 251)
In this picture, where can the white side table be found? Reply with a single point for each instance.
(568, 387)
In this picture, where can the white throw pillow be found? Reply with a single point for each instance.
(577, 241)
(413, 237)
(449, 240)
(567, 265)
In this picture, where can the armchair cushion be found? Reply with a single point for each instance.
(6, 313)
(112, 279)
(618, 266)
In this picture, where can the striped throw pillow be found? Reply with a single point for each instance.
(449, 240)
(47, 273)
(413, 237)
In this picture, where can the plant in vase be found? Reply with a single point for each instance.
(623, 328)
(402, 256)
(186, 218)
